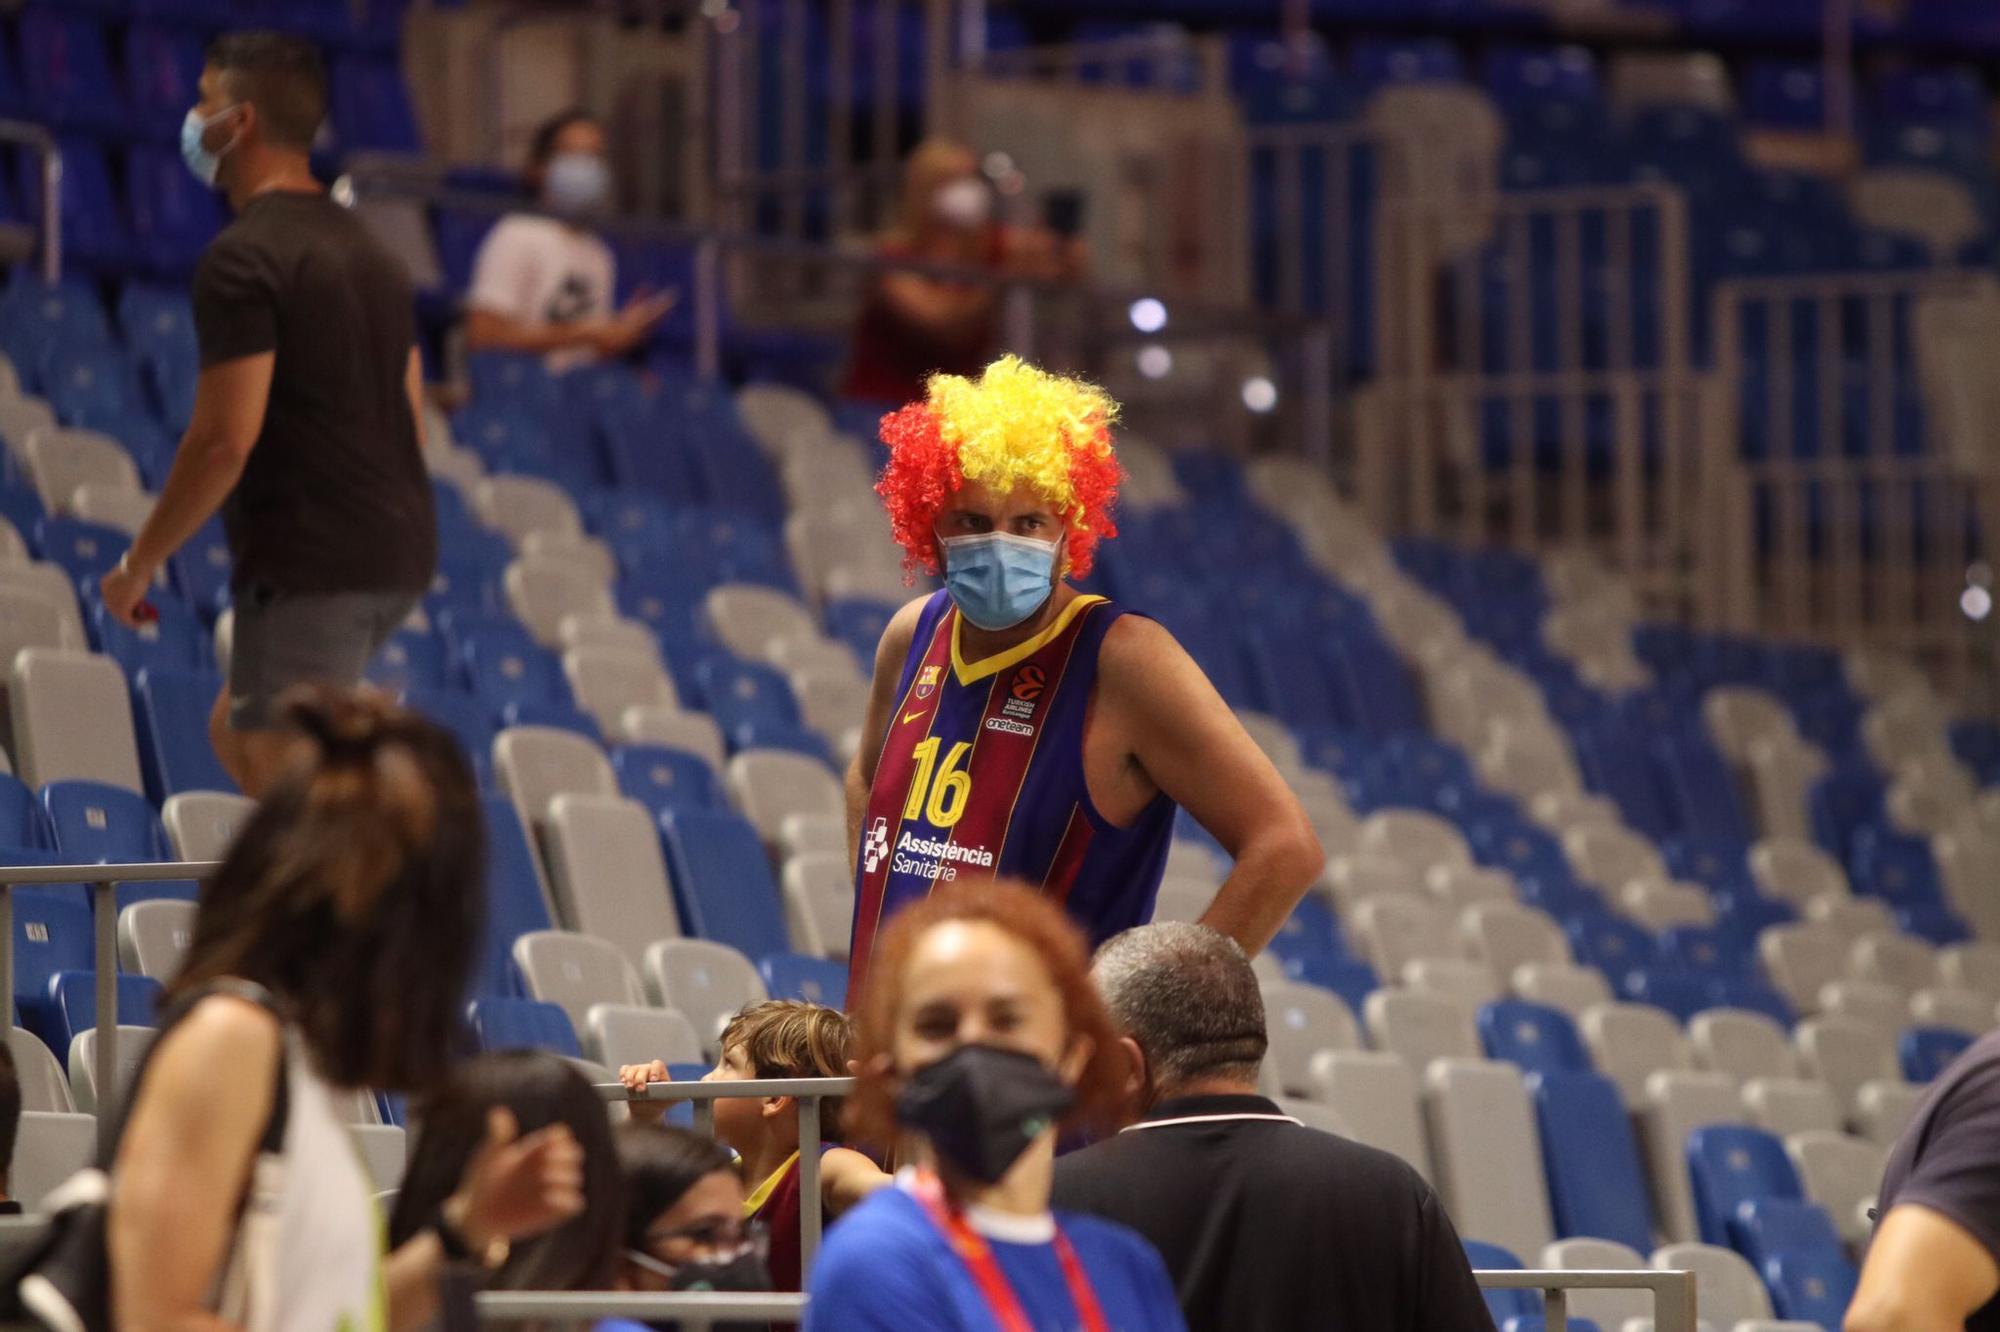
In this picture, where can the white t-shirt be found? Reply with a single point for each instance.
(540, 271)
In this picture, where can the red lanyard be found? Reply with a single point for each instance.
(977, 1255)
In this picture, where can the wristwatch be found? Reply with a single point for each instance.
(451, 1238)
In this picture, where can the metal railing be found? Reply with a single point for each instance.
(1673, 1293)
(103, 881)
(809, 1092)
(38, 139)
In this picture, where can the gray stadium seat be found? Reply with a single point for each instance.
(1906, 963)
(586, 554)
(1375, 1097)
(1182, 897)
(1885, 1109)
(1507, 936)
(1794, 870)
(748, 619)
(1466, 983)
(1487, 1153)
(20, 416)
(1458, 888)
(1354, 878)
(819, 903)
(593, 631)
(605, 681)
(1612, 857)
(832, 702)
(707, 983)
(72, 719)
(111, 506)
(1741, 1043)
(58, 461)
(201, 824)
(384, 1149)
(1312, 1114)
(618, 1034)
(695, 732)
(1420, 1028)
(1841, 1174)
(1847, 1055)
(1302, 1020)
(1785, 1106)
(153, 937)
(1396, 931)
(132, 1045)
(44, 1083)
(1415, 837)
(814, 834)
(1607, 1308)
(597, 1075)
(1801, 960)
(782, 419)
(575, 971)
(609, 873)
(1564, 986)
(514, 506)
(542, 592)
(55, 584)
(535, 764)
(1866, 1001)
(1630, 1042)
(1944, 1006)
(1676, 1104)
(30, 618)
(767, 786)
(1972, 966)
(1853, 918)
(1727, 1289)
(49, 1149)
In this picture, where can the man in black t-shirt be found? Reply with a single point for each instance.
(1934, 1261)
(307, 414)
(1263, 1223)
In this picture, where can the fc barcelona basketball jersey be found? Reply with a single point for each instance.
(981, 776)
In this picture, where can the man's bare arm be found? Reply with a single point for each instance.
(1190, 744)
(890, 654)
(1924, 1273)
(229, 403)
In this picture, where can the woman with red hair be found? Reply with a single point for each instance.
(980, 1039)
(1020, 727)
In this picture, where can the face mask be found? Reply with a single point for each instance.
(981, 1106)
(577, 183)
(963, 203)
(997, 580)
(744, 1270)
(200, 161)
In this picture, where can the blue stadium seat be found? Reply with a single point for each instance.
(21, 826)
(1308, 945)
(764, 733)
(859, 623)
(1353, 980)
(680, 1114)
(52, 934)
(662, 779)
(1729, 1164)
(1846, 799)
(409, 660)
(722, 882)
(1597, 1187)
(172, 641)
(175, 753)
(67, 63)
(1719, 863)
(1705, 950)
(1682, 993)
(1755, 994)
(173, 216)
(1811, 1287)
(87, 385)
(1926, 1052)
(1896, 867)
(1766, 1227)
(1534, 1037)
(620, 516)
(95, 824)
(504, 666)
(35, 314)
(1933, 922)
(371, 107)
(200, 569)
(736, 692)
(466, 718)
(817, 980)
(86, 551)
(72, 1006)
(162, 75)
(1502, 1304)
(522, 1024)
(514, 902)
(93, 227)
(1609, 943)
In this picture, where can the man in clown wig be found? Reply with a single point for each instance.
(1018, 727)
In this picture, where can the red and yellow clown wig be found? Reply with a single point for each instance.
(1013, 426)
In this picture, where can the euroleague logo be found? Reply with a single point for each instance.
(1029, 683)
(1016, 714)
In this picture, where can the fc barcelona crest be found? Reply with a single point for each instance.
(927, 681)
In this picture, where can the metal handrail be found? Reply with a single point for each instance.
(103, 881)
(30, 135)
(809, 1093)
(1673, 1292)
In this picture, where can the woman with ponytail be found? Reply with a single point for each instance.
(331, 953)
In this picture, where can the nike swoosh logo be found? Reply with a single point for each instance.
(909, 717)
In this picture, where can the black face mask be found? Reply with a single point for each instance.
(980, 1107)
(743, 1272)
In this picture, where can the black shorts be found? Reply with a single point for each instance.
(281, 639)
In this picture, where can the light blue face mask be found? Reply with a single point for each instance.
(997, 580)
(200, 161)
(577, 183)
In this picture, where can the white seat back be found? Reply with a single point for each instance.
(767, 786)
(1728, 1290)
(575, 971)
(1796, 871)
(44, 1084)
(1303, 1020)
(1606, 1308)
(609, 874)
(201, 824)
(514, 506)
(1421, 1027)
(1415, 837)
(1841, 1174)
(618, 1034)
(153, 937)
(707, 983)
(1785, 1106)
(1564, 986)
(695, 732)
(536, 764)
(1487, 1153)
(1676, 1104)
(1396, 931)
(1847, 1054)
(1375, 1096)
(607, 681)
(72, 719)
(1508, 937)
(1631, 1042)
(1741, 1043)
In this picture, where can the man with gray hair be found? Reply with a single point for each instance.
(1263, 1223)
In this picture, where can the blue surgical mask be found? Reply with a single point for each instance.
(200, 161)
(577, 183)
(997, 580)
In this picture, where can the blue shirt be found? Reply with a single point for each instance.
(887, 1267)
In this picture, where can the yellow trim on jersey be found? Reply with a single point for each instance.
(763, 1192)
(968, 672)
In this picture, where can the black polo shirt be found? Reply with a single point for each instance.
(1265, 1224)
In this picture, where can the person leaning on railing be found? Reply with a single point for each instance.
(331, 953)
